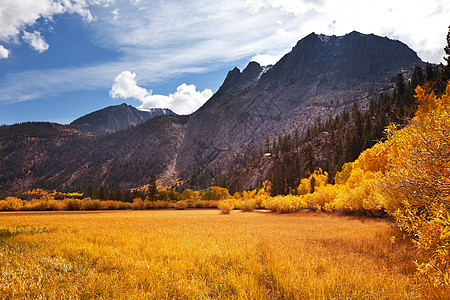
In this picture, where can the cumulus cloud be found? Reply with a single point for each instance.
(125, 86)
(184, 101)
(4, 53)
(35, 40)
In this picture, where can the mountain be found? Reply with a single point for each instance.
(54, 156)
(115, 118)
(321, 76)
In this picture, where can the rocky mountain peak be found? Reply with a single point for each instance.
(236, 80)
(347, 60)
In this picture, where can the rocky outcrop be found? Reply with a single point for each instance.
(236, 81)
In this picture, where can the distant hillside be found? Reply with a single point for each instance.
(53, 156)
(115, 118)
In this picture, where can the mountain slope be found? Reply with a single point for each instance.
(115, 118)
(321, 75)
(53, 156)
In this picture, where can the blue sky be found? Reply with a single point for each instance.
(61, 59)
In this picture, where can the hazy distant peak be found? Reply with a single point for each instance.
(115, 118)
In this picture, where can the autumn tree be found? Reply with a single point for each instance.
(418, 182)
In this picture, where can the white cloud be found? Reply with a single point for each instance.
(35, 40)
(125, 86)
(294, 7)
(4, 53)
(184, 101)
(17, 15)
(115, 13)
(266, 59)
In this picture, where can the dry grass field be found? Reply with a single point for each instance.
(197, 254)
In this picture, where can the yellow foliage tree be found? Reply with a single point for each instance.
(418, 182)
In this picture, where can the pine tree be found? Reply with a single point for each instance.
(296, 138)
(267, 144)
(308, 159)
(152, 188)
(417, 77)
(400, 85)
(102, 194)
(446, 68)
(274, 147)
(90, 192)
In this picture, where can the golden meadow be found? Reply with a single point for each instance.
(195, 254)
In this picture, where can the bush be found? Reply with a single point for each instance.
(180, 205)
(157, 204)
(418, 183)
(11, 203)
(111, 204)
(210, 204)
(199, 204)
(44, 204)
(137, 204)
(247, 204)
(323, 198)
(286, 204)
(73, 204)
(226, 206)
(91, 204)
